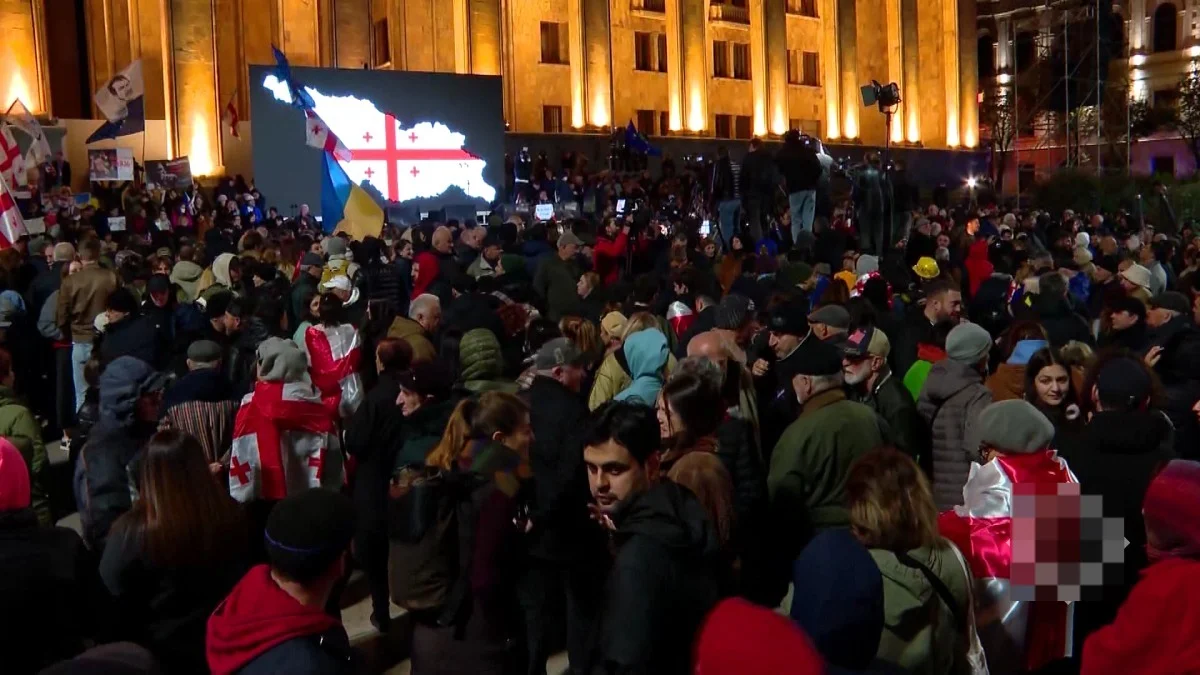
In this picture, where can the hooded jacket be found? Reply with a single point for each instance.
(612, 377)
(1008, 382)
(978, 266)
(261, 629)
(411, 332)
(186, 274)
(482, 363)
(919, 633)
(951, 401)
(1179, 369)
(662, 584)
(646, 353)
(220, 277)
(1062, 324)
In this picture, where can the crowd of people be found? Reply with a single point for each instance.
(660, 449)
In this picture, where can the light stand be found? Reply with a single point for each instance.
(887, 98)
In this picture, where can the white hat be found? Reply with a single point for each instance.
(342, 283)
(1137, 275)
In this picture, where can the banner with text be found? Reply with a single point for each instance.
(169, 174)
(110, 164)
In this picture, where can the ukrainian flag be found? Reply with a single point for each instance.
(346, 207)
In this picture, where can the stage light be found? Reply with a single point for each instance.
(885, 95)
(972, 182)
(1194, 51)
(1003, 78)
(1137, 59)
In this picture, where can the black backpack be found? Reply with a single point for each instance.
(432, 515)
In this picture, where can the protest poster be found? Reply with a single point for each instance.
(169, 174)
(35, 225)
(116, 223)
(543, 211)
(110, 164)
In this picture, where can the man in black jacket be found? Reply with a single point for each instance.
(757, 183)
(801, 172)
(1053, 310)
(128, 333)
(1175, 355)
(663, 580)
(563, 545)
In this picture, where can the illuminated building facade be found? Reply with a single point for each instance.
(730, 69)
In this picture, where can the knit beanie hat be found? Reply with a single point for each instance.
(512, 263)
(281, 360)
(1172, 511)
(307, 531)
(968, 343)
(1014, 426)
(741, 638)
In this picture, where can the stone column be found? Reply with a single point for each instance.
(847, 35)
(1004, 55)
(968, 75)
(25, 74)
(950, 47)
(687, 72)
(776, 47)
(485, 36)
(758, 66)
(895, 64)
(832, 80)
(193, 119)
(597, 58)
(1137, 26)
(911, 55)
(301, 32)
(352, 33)
(575, 55)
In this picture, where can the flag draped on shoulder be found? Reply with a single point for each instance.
(1029, 633)
(333, 355)
(121, 101)
(284, 441)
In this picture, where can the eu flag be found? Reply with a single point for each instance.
(634, 140)
(283, 71)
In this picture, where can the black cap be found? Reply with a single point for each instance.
(311, 259)
(789, 319)
(1123, 382)
(1173, 301)
(1109, 263)
(307, 532)
(812, 357)
(427, 378)
(216, 304)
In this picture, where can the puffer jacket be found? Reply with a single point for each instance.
(18, 426)
(919, 631)
(951, 401)
(482, 363)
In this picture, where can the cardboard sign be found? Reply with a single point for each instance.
(110, 164)
(35, 225)
(543, 211)
(169, 174)
(116, 223)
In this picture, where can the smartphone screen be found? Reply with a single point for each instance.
(621, 206)
(705, 227)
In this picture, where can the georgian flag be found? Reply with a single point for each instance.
(681, 318)
(284, 441)
(985, 529)
(12, 226)
(333, 356)
(12, 161)
(319, 135)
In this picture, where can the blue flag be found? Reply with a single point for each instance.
(634, 140)
(283, 71)
(132, 123)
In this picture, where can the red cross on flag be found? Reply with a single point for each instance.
(333, 356)
(284, 441)
(12, 162)
(12, 226)
(319, 135)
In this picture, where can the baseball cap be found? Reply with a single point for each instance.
(1123, 382)
(789, 319)
(311, 259)
(869, 341)
(557, 352)
(1173, 301)
(834, 316)
(812, 357)
(339, 283)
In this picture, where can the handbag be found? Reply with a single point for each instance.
(976, 659)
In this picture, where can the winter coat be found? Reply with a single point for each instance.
(953, 397)
(481, 363)
(48, 588)
(662, 584)
(480, 267)
(561, 527)
(555, 282)
(44, 285)
(371, 436)
(740, 455)
(799, 167)
(135, 336)
(1115, 456)
(186, 275)
(608, 257)
(807, 479)
(203, 384)
(916, 330)
(612, 377)
(421, 431)
(166, 609)
(242, 366)
(1062, 324)
(1008, 382)
(1179, 370)
(646, 353)
(978, 266)
(383, 286)
(1144, 639)
(920, 633)
(18, 426)
(411, 332)
(894, 404)
(302, 287)
(81, 298)
(260, 630)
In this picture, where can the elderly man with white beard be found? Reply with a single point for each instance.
(869, 380)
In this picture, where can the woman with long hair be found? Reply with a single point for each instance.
(1049, 388)
(1020, 342)
(583, 334)
(893, 514)
(175, 555)
(488, 438)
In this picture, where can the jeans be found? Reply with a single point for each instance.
(80, 353)
(727, 212)
(803, 207)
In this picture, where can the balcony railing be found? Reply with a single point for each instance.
(729, 13)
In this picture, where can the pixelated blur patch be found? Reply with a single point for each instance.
(1063, 546)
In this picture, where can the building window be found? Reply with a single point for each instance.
(741, 61)
(810, 74)
(720, 58)
(664, 122)
(810, 127)
(554, 42)
(645, 122)
(793, 67)
(794, 123)
(643, 57)
(724, 126)
(552, 117)
(1165, 28)
(802, 7)
(1166, 99)
(1026, 177)
(662, 52)
(381, 55)
(743, 127)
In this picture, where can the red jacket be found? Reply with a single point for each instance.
(1143, 639)
(607, 255)
(978, 266)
